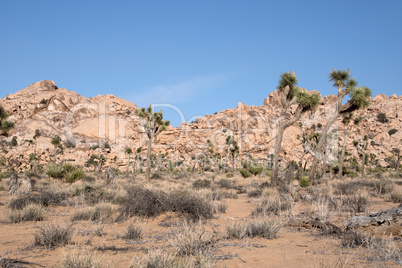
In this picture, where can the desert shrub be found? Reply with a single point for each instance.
(382, 118)
(220, 207)
(14, 141)
(55, 171)
(254, 192)
(33, 212)
(44, 198)
(190, 205)
(229, 175)
(348, 188)
(356, 203)
(102, 212)
(264, 228)
(272, 205)
(159, 259)
(192, 239)
(256, 170)
(392, 131)
(245, 173)
(304, 182)
(225, 183)
(143, 202)
(396, 196)
(381, 186)
(134, 231)
(74, 175)
(82, 260)
(198, 184)
(82, 215)
(352, 239)
(268, 173)
(89, 179)
(94, 194)
(236, 230)
(53, 235)
(68, 167)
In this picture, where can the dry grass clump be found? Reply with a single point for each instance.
(192, 206)
(82, 260)
(264, 227)
(46, 197)
(53, 235)
(355, 203)
(143, 202)
(31, 212)
(273, 205)
(149, 203)
(396, 196)
(192, 239)
(219, 207)
(134, 231)
(100, 212)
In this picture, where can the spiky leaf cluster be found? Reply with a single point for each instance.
(347, 118)
(288, 80)
(339, 77)
(360, 97)
(307, 100)
(153, 120)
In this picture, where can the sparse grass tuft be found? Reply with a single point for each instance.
(53, 235)
(192, 239)
(82, 260)
(31, 212)
(134, 231)
(264, 228)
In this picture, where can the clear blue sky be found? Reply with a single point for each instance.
(202, 56)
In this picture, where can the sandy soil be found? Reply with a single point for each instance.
(295, 247)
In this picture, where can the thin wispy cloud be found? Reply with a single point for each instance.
(180, 92)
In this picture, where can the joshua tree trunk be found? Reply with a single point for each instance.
(320, 146)
(342, 157)
(55, 154)
(276, 155)
(128, 163)
(148, 169)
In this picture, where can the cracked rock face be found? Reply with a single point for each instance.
(90, 122)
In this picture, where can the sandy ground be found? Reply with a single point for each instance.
(295, 247)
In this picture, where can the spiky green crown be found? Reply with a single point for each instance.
(339, 77)
(360, 97)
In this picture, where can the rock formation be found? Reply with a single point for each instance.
(108, 125)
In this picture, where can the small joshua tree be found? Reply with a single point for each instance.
(153, 125)
(129, 151)
(56, 141)
(5, 125)
(233, 149)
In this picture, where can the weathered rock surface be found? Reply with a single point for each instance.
(86, 123)
(374, 219)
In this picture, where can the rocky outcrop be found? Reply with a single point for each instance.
(88, 123)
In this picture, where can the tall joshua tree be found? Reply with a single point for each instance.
(359, 99)
(5, 125)
(290, 94)
(153, 125)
